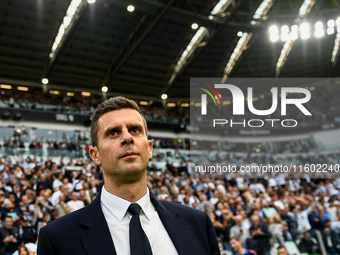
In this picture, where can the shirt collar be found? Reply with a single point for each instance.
(118, 206)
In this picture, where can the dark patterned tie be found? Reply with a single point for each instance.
(139, 243)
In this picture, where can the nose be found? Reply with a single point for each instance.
(127, 138)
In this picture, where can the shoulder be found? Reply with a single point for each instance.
(181, 208)
(65, 222)
(186, 213)
(251, 252)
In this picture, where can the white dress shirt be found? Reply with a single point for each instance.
(118, 219)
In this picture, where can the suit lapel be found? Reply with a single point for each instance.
(177, 229)
(97, 239)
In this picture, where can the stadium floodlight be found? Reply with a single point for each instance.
(319, 31)
(221, 6)
(274, 37)
(104, 89)
(195, 41)
(330, 30)
(263, 9)
(318, 25)
(45, 81)
(284, 33)
(194, 26)
(273, 29)
(68, 20)
(304, 30)
(293, 36)
(274, 33)
(330, 25)
(130, 8)
(240, 47)
(285, 29)
(164, 96)
(294, 33)
(91, 1)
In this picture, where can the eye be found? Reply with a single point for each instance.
(112, 133)
(135, 130)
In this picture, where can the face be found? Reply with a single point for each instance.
(74, 196)
(282, 251)
(8, 222)
(255, 221)
(235, 244)
(123, 149)
(22, 251)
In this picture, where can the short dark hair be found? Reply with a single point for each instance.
(10, 217)
(281, 247)
(113, 104)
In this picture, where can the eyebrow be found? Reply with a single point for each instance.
(119, 127)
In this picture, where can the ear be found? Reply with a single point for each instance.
(94, 155)
(150, 148)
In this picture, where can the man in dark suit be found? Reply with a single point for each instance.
(125, 218)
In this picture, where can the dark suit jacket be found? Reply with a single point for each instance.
(85, 232)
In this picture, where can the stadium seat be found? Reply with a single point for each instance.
(226, 252)
(293, 249)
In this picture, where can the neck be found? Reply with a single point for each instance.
(131, 192)
(240, 250)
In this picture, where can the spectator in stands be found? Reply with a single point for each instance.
(329, 242)
(61, 207)
(257, 210)
(27, 232)
(228, 222)
(75, 204)
(203, 202)
(275, 229)
(10, 236)
(281, 250)
(268, 210)
(11, 211)
(307, 243)
(260, 236)
(332, 210)
(238, 230)
(43, 183)
(301, 216)
(236, 245)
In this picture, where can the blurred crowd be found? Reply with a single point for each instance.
(323, 106)
(258, 212)
(78, 104)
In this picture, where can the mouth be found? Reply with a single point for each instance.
(129, 154)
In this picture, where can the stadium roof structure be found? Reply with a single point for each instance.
(149, 48)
